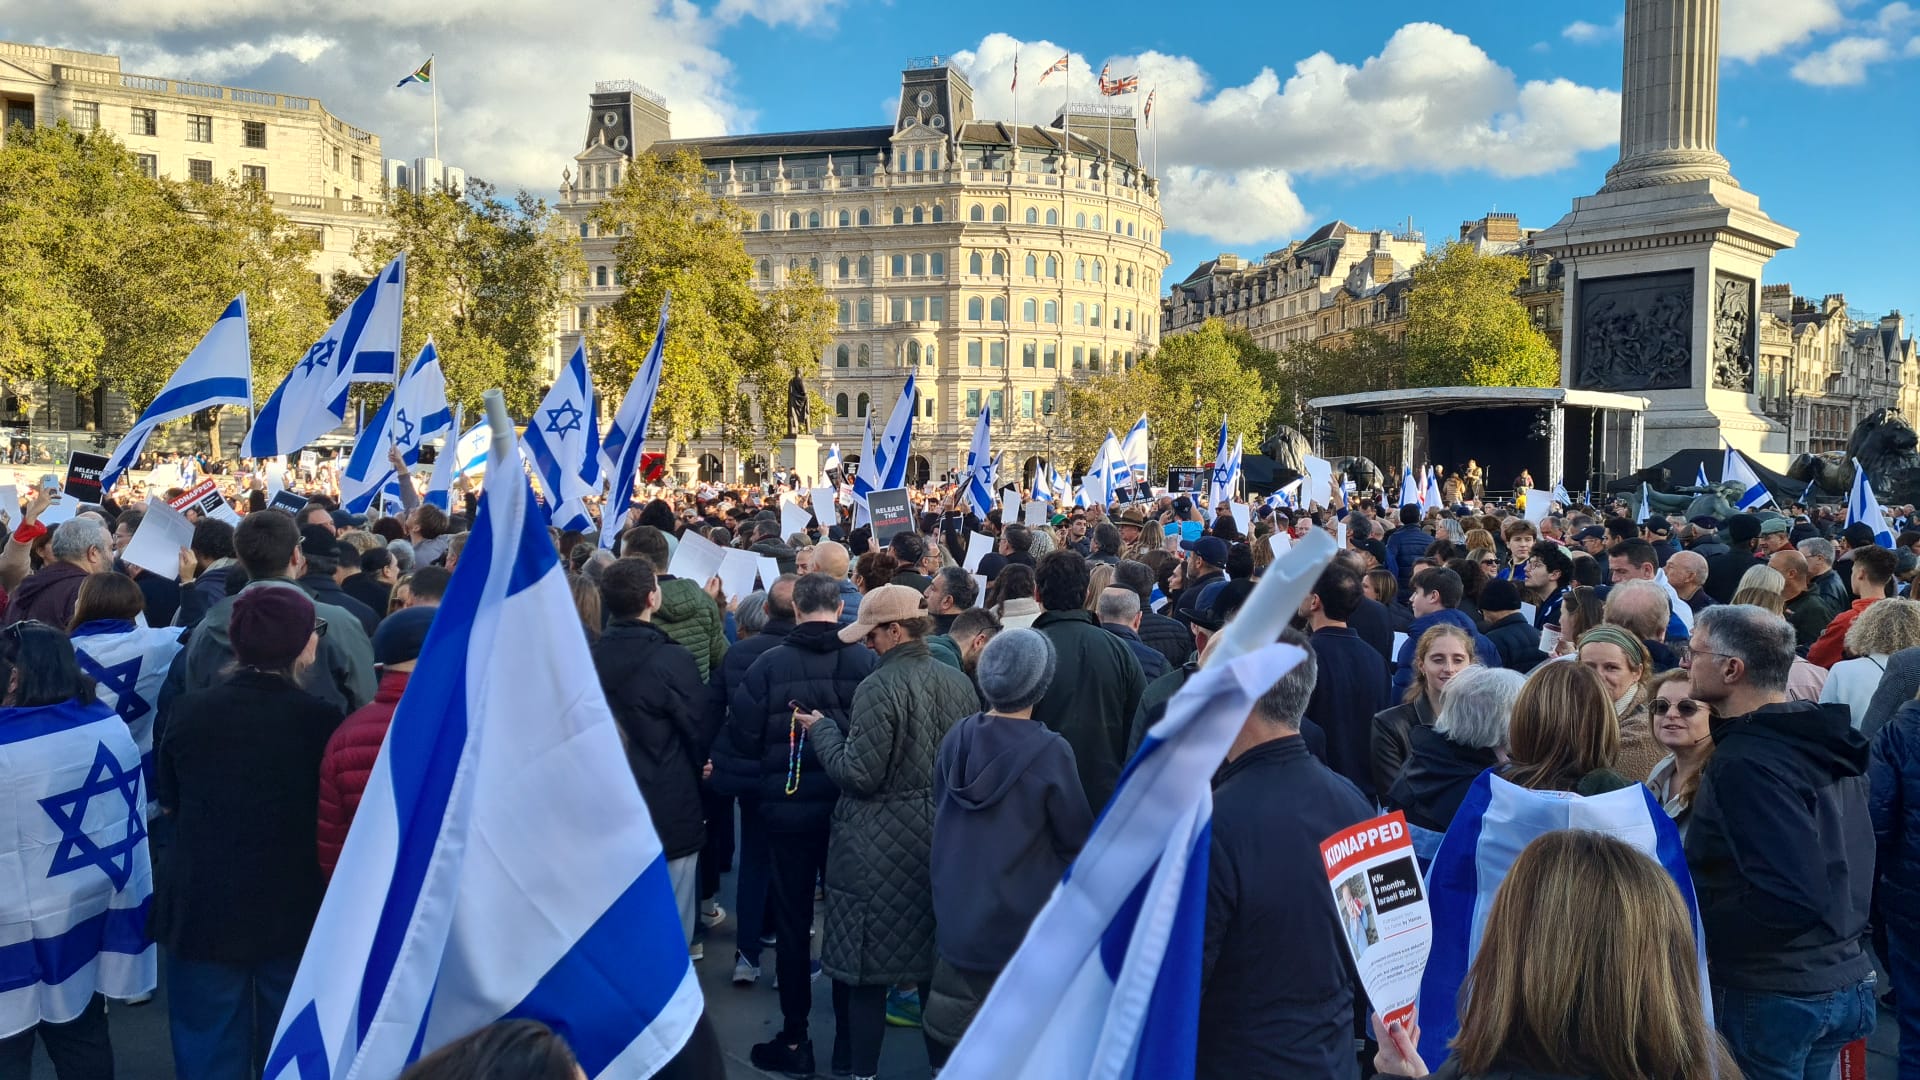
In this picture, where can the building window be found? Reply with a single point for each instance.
(897, 309)
(355, 163)
(1079, 221)
(936, 309)
(1033, 266)
(1093, 358)
(841, 356)
(1099, 270)
(813, 219)
(997, 309)
(766, 222)
(199, 128)
(86, 115)
(860, 406)
(1046, 403)
(999, 213)
(973, 403)
(913, 353)
(1029, 355)
(928, 402)
(1049, 355)
(843, 267)
(974, 263)
(997, 354)
(973, 353)
(793, 220)
(1026, 404)
(1129, 318)
(899, 215)
(919, 263)
(999, 264)
(254, 174)
(1053, 267)
(919, 161)
(1028, 309)
(917, 308)
(600, 277)
(866, 217)
(863, 357)
(813, 267)
(937, 264)
(994, 403)
(840, 405)
(145, 122)
(845, 219)
(1079, 357)
(977, 213)
(201, 171)
(149, 165)
(846, 316)
(1129, 359)
(1050, 313)
(336, 159)
(766, 270)
(1033, 215)
(253, 134)
(1079, 269)
(866, 268)
(919, 215)
(1129, 233)
(1096, 221)
(939, 213)
(1079, 314)
(898, 266)
(1053, 217)
(974, 308)
(865, 314)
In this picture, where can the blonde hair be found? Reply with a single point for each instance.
(1885, 627)
(1691, 785)
(1428, 642)
(1479, 538)
(1763, 587)
(1100, 577)
(1563, 728)
(1616, 998)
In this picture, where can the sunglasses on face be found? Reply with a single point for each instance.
(1686, 707)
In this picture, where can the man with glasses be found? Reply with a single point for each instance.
(1781, 849)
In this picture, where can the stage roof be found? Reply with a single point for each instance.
(1435, 399)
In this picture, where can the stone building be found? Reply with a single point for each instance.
(998, 262)
(1821, 371)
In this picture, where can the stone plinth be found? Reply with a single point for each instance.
(801, 453)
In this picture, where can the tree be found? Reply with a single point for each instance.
(796, 326)
(1184, 387)
(486, 279)
(1464, 327)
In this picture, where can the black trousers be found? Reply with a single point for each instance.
(799, 858)
(716, 856)
(79, 1048)
(859, 1023)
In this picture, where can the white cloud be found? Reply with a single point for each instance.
(1430, 101)
(1583, 32)
(1913, 47)
(1843, 63)
(1751, 29)
(1894, 16)
(513, 79)
(779, 12)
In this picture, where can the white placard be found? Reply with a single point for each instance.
(737, 571)
(1527, 611)
(1319, 485)
(1539, 505)
(10, 503)
(1281, 541)
(1242, 516)
(1034, 514)
(793, 519)
(1399, 642)
(823, 505)
(276, 476)
(769, 570)
(980, 590)
(696, 559)
(1340, 536)
(59, 512)
(978, 547)
(1009, 506)
(155, 545)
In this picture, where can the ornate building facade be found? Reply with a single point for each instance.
(1821, 371)
(997, 262)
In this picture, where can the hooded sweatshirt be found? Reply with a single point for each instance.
(1009, 816)
(1781, 848)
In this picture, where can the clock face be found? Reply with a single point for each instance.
(939, 122)
(925, 99)
(610, 119)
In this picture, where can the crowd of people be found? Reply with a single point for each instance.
(897, 755)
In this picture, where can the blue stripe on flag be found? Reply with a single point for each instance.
(595, 996)
(33, 723)
(194, 393)
(1168, 1035)
(1453, 888)
(303, 1046)
(54, 960)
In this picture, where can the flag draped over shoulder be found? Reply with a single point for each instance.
(74, 900)
(127, 664)
(1495, 823)
(501, 863)
(362, 345)
(1107, 982)
(219, 371)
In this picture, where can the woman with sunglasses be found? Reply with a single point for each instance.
(1683, 725)
(238, 772)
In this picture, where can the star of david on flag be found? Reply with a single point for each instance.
(564, 419)
(565, 447)
(68, 809)
(415, 411)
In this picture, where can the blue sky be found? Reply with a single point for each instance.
(1271, 121)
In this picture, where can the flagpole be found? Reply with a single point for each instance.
(433, 89)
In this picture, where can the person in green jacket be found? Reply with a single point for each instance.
(688, 612)
(1097, 689)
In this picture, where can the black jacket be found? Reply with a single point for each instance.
(1895, 772)
(325, 590)
(1267, 912)
(1517, 642)
(239, 773)
(1350, 689)
(1725, 570)
(367, 588)
(1375, 624)
(1096, 688)
(161, 593)
(735, 774)
(1435, 778)
(1392, 741)
(1168, 637)
(1153, 663)
(1781, 849)
(654, 689)
(814, 669)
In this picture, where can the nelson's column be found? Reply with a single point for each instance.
(1663, 263)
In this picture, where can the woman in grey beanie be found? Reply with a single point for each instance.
(1009, 817)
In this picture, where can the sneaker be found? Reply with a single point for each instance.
(775, 1055)
(768, 941)
(712, 915)
(697, 951)
(903, 1009)
(745, 972)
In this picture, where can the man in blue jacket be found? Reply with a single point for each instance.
(1435, 596)
(1406, 544)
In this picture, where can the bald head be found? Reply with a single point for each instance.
(830, 558)
(1640, 607)
(1793, 567)
(1686, 571)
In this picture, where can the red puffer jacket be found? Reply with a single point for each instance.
(348, 762)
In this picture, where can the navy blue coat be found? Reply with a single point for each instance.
(1405, 545)
(1894, 770)
(814, 669)
(735, 774)
(1350, 689)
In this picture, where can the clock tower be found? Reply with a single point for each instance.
(627, 117)
(934, 95)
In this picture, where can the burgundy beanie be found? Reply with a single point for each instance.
(270, 626)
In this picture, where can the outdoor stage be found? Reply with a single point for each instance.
(1580, 437)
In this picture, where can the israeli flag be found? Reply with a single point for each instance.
(1039, 492)
(1498, 820)
(1133, 449)
(1096, 487)
(1226, 475)
(896, 442)
(1219, 459)
(1862, 505)
(1646, 500)
(620, 450)
(414, 412)
(1409, 489)
(1806, 496)
(833, 459)
(1120, 472)
(501, 745)
(979, 472)
(1736, 471)
(866, 476)
(563, 441)
(75, 893)
(446, 463)
(1560, 494)
(1062, 486)
(1431, 497)
(1107, 982)
(219, 371)
(127, 664)
(362, 345)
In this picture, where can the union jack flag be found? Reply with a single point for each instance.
(1057, 65)
(1126, 84)
(1149, 109)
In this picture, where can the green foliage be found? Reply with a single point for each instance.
(1365, 361)
(1184, 387)
(1464, 327)
(486, 279)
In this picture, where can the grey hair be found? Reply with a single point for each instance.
(1640, 606)
(1694, 563)
(1117, 605)
(75, 537)
(597, 564)
(1286, 700)
(1477, 706)
(751, 614)
(402, 554)
(1759, 639)
(1816, 547)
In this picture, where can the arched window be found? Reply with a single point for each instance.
(1129, 277)
(1096, 315)
(999, 264)
(899, 215)
(936, 264)
(997, 309)
(813, 267)
(919, 161)
(929, 362)
(919, 264)
(846, 316)
(584, 229)
(1050, 314)
(866, 267)
(793, 264)
(813, 219)
(1129, 318)
(793, 220)
(600, 276)
(1033, 216)
(1079, 314)
(1079, 269)
(840, 356)
(1033, 266)
(913, 352)
(845, 219)
(977, 213)
(766, 223)
(1099, 270)
(860, 406)
(939, 212)
(766, 270)
(864, 356)
(1027, 308)
(919, 215)
(845, 265)
(1080, 221)
(865, 310)
(1053, 217)
(866, 217)
(840, 405)
(1129, 233)
(974, 262)
(1096, 221)
(897, 266)
(974, 307)
(999, 213)
(1053, 267)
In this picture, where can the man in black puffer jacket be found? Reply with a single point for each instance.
(657, 698)
(1171, 638)
(811, 669)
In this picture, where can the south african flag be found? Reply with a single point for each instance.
(424, 74)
